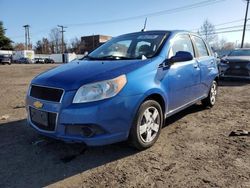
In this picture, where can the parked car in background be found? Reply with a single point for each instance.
(24, 60)
(5, 59)
(124, 89)
(39, 60)
(49, 60)
(236, 64)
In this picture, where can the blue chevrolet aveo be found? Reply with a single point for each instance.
(124, 90)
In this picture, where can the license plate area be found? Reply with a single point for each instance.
(39, 116)
(42, 119)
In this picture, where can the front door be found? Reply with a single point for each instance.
(182, 77)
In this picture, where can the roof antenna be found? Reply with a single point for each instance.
(145, 24)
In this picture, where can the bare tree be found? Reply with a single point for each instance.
(46, 46)
(222, 43)
(19, 46)
(228, 46)
(207, 31)
(75, 45)
(39, 47)
(55, 40)
(247, 45)
(43, 46)
(219, 44)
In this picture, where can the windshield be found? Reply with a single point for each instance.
(240, 53)
(131, 46)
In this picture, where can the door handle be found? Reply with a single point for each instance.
(195, 65)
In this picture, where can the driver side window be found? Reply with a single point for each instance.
(181, 43)
(117, 49)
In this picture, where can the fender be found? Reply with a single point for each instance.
(152, 92)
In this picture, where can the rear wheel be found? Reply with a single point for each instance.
(212, 95)
(147, 125)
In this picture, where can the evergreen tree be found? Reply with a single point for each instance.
(5, 42)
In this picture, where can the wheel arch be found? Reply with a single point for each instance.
(217, 79)
(158, 98)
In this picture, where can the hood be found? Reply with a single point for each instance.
(237, 59)
(73, 75)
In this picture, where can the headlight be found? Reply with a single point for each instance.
(100, 90)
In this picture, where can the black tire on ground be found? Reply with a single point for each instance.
(149, 118)
(212, 95)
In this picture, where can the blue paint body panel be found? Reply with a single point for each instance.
(180, 85)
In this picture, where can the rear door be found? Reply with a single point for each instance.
(207, 64)
(182, 76)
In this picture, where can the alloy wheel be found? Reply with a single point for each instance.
(149, 124)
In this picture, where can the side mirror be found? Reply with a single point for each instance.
(180, 57)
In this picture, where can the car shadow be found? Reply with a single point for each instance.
(190, 110)
(30, 160)
(233, 82)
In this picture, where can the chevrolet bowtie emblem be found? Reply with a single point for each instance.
(38, 104)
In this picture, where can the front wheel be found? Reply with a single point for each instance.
(211, 98)
(147, 125)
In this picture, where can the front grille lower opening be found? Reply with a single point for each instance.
(51, 124)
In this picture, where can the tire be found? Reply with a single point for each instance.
(146, 128)
(212, 95)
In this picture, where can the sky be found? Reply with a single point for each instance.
(109, 17)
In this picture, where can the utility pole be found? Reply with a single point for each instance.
(245, 22)
(27, 36)
(62, 31)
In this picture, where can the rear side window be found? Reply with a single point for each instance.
(201, 47)
(181, 43)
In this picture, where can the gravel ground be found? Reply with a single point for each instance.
(194, 149)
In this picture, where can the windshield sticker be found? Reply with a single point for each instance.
(147, 37)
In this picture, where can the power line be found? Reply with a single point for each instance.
(234, 21)
(33, 33)
(168, 11)
(225, 28)
(232, 27)
(229, 31)
(224, 23)
(163, 12)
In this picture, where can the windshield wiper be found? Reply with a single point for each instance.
(108, 57)
(89, 57)
(113, 57)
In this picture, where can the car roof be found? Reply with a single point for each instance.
(171, 32)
